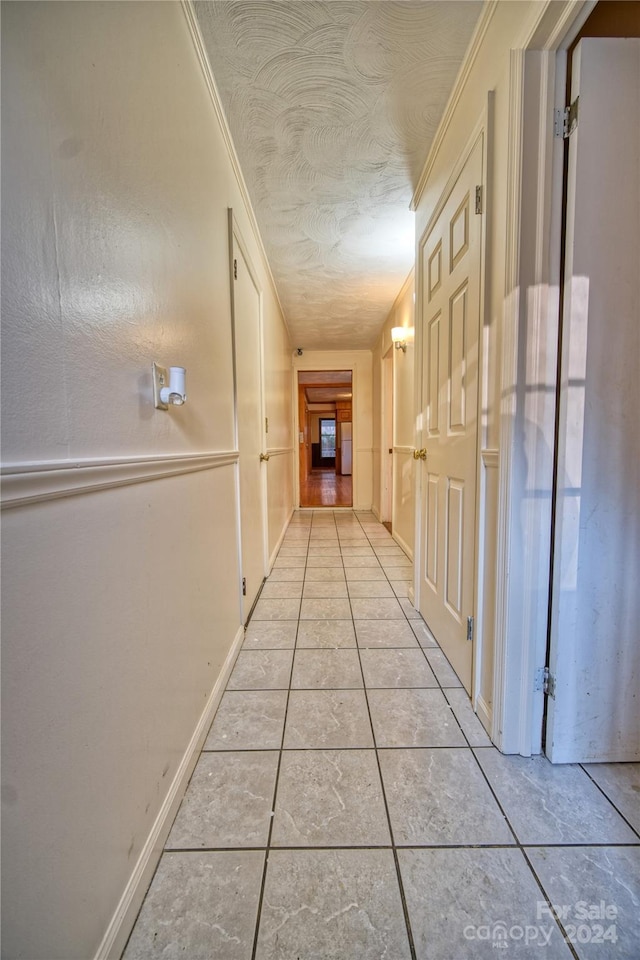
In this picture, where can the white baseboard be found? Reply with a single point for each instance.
(376, 513)
(403, 546)
(272, 558)
(121, 924)
(485, 714)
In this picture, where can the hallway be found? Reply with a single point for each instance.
(326, 488)
(348, 803)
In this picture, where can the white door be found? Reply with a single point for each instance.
(595, 613)
(250, 422)
(450, 266)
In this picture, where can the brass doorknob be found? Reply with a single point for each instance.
(420, 454)
(264, 456)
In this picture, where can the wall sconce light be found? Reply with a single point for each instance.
(398, 338)
(169, 388)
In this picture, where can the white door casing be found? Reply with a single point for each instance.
(594, 650)
(248, 360)
(450, 264)
(387, 374)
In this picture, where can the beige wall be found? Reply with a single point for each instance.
(120, 592)
(403, 402)
(359, 361)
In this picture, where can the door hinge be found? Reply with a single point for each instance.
(266, 424)
(565, 121)
(244, 586)
(479, 199)
(470, 628)
(545, 681)
(235, 269)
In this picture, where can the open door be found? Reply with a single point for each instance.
(594, 660)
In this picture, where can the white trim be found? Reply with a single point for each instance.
(126, 912)
(503, 733)
(418, 321)
(486, 262)
(332, 360)
(36, 481)
(490, 459)
(485, 714)
(274, 552)
(203, 59)
(237, 240)
(475, 44)
(376, 512)
(278, 451)
(541, 338)
(404, 546)
(403, 449)
(386, 433)
(563, 23)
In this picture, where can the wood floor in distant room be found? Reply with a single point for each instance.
(323, 488)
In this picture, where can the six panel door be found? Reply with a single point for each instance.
(450, 267)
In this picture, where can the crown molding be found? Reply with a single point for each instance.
(477, 39)
(205, 66)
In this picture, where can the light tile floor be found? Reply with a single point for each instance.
(348, 804)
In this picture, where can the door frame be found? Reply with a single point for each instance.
(236, 239)
(559, 647)
(387, 421)
(320, 363)
(537, 73)
(482, 132)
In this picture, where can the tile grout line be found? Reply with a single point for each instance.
(276, 782)
(394, 846)
(403, 901)
(404, 846)
(517, 845)
(619, 812)
(558, 921)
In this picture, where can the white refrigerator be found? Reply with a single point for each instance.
(345, 448)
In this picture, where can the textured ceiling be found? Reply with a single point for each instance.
(325, 386)
(324, 377)
(333, 107)
(327, 395)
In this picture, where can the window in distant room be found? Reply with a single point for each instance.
(327, 438)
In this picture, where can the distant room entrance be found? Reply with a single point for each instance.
(324, 412)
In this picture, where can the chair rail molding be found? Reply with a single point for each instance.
(37, 481)
(279, 451)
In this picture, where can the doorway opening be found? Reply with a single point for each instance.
(325, 440)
